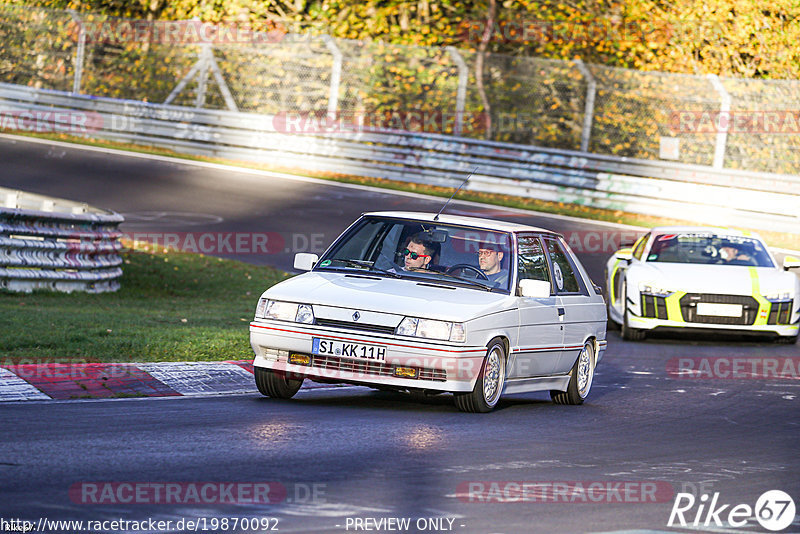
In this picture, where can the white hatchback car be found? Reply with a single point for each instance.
(434, 304)
(698, 277)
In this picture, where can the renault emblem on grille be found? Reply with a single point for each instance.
(356, 316)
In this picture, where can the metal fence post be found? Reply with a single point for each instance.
(724, 117)
(336, 74)
(461, 93)
(588, 110)
(79, 52)
(206, 62)
(202, 75)
(223, 86)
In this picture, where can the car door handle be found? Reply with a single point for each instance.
(561, 312)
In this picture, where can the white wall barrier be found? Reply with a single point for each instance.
(55, 244)
(688, 192)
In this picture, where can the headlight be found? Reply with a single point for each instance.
(779, 296)
(304, 314)
(285, 311)
(653, 289)
(431, 329)
(262, 305)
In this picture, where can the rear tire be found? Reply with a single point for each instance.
(580, 381)
(483, 398)
(276, 384)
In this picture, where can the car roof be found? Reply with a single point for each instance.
(488, 224)
(715, 230)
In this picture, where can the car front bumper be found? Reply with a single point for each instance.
(648, 323)
(439, 365)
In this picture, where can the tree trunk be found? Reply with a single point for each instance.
(491, 13)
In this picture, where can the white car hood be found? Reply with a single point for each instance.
(390, 295)
(718, 279)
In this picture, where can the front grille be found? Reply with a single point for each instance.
(432, 374)
(779, 312)
(655, 307)
(690, 301)
(358, 327)
(335, 363)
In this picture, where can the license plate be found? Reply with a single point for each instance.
(719, 310)
(344, 349)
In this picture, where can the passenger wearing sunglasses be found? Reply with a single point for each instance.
(417, 254)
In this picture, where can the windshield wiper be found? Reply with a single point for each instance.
(467, 280)
(368, 264)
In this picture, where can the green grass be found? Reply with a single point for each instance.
(172, 306)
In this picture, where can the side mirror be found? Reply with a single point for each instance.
(305, 261)
(625, 254)
(537, 289)
(790, 262)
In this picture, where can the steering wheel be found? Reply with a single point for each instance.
(467, 266)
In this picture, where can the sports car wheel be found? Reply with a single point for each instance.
(483, 398)
(580, 381)
(276, 384)
(612, 324)
(628, 333)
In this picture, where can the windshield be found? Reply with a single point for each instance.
(435, 253)
(709, 249)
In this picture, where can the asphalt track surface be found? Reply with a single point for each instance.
(379, 455)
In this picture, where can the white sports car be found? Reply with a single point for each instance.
(434, 304)
(702, 278)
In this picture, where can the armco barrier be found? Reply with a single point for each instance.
(55, 244)
(689, 192)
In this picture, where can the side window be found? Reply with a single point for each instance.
(563, 272)
(532, 264)
(638, 249)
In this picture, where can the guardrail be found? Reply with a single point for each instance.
(55, 244)
(689, 192)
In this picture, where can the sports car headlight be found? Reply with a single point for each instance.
(431, 329)
(285, 311)
(653, 289)
(779, 296)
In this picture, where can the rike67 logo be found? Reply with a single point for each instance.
(774, 510)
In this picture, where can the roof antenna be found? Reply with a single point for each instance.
(455, 192)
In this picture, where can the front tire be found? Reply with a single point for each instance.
(628, 333)
(580, 381)
(276, 384)
(484, 396)
(612, 324)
